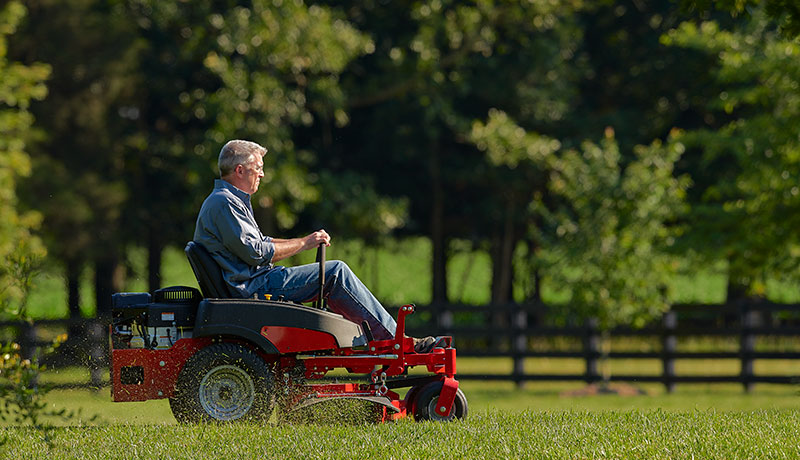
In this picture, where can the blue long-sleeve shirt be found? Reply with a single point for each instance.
(227, 228)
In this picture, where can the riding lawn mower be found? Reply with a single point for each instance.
(224, 359)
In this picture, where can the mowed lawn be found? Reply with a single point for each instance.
(540, 420)
(488, 434)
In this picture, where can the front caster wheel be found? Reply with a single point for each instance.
(224, 382)
(425, 403)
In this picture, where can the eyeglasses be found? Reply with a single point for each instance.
(256, 168)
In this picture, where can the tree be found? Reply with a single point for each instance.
(279, 64)
(747, 214)
(785, 12)
(613, 230)
(167, 151)
(20, 250)
(436, 67)
(605, 230)
(211, 71)
(131, 134)
(79, 170)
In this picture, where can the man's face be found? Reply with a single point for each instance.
(252, 174)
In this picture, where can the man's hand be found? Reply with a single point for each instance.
(315, 239)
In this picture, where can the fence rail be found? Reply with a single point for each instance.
(511, 331)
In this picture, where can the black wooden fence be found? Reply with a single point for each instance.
(517, 332)
(508, 331)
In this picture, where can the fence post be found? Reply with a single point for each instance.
(592, 350)
(444, 318)
(97, 355)
(519, 343)
(27, 340)
(750, 320)
(669, 345)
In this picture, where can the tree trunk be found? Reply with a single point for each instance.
(154, 249)
(502, 260)
(73, 349)
(73, 279)
(502, 276)
(739, 282)
(438, 238)
(533, 292)
(108, 279)
(537, 286)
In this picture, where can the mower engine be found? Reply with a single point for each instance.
(140, 323)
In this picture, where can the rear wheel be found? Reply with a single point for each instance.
(224, 382)
(426, 401)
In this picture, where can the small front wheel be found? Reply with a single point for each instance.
(427, 399)
(224, 382)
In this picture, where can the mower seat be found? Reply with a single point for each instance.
(207, 272)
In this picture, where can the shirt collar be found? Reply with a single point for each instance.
(223, 184)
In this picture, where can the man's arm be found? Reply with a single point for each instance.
(288, 247)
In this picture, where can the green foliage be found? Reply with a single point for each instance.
(507, 144)
(21, 393)
(606, 224)
(19, 248)
(279, 64)
(20, 251)
(437, 67)
(754, 155)
(369, 109)
(613, 230)
(785, 12)
(355, 210)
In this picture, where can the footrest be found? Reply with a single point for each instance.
(443, 341)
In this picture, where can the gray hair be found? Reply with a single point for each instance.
(237, 152)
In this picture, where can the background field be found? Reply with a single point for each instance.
(398, 272)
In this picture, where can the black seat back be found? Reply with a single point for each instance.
(207, 272)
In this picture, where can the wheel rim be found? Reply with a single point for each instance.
(433, 413)
(227, 392)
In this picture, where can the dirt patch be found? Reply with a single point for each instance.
(621, 389)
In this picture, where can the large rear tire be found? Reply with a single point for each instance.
(426, 399)
(224, 382)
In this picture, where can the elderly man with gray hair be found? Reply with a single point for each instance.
(227, 228)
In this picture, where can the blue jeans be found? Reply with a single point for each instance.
(346, 294)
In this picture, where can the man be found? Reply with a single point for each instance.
(227, 228)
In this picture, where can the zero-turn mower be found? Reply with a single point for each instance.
(222, 359)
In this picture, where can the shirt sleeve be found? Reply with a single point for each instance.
(242, 237)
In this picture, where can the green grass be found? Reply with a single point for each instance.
(505, 396)
(540, 420)
(487, 396)
(490, 434)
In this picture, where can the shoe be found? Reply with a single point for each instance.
(424, 344)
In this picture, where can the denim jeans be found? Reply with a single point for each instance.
(346, 294)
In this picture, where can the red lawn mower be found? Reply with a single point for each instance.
(222, 359)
